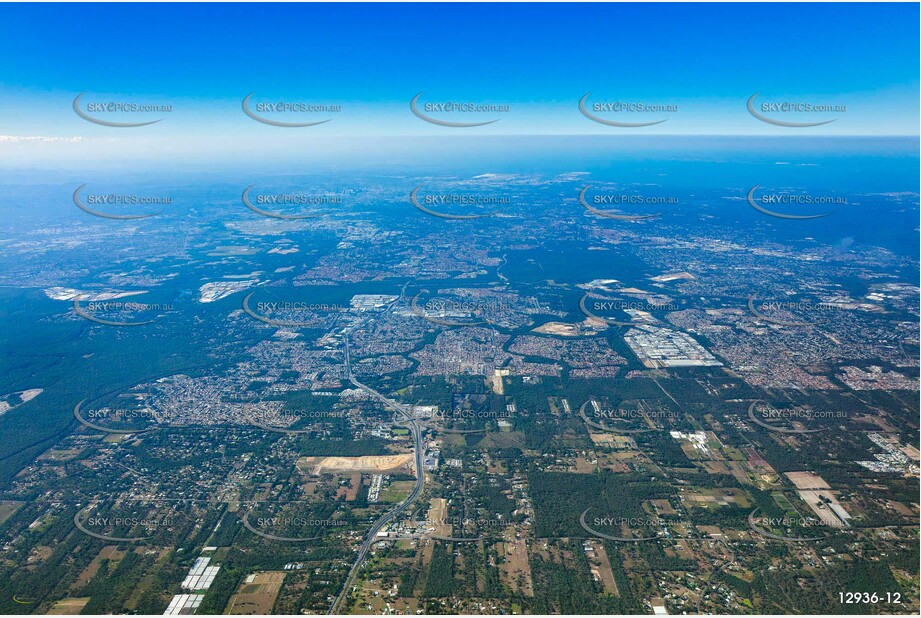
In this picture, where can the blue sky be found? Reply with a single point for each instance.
(370, 59)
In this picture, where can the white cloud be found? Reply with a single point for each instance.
(28, 139)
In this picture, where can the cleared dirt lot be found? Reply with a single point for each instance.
(807, 480)
(256, 594)
(110, 553)
(70, 606)
(7, 508)
(365, 463)
(515, 569)
(438, 514)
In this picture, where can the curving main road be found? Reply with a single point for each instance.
(387, 517)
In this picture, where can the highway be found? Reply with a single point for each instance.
(416, 431)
